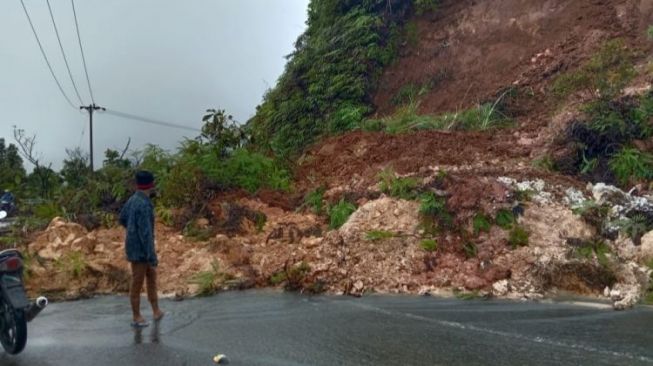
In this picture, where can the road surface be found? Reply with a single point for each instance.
(269, 328)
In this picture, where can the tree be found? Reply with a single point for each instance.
(76, 170)
(12, 172)
(222, 131)
(43, 180)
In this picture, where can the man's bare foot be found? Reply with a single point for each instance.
(139, 322)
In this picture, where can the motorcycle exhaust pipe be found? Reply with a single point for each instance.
(35, 308)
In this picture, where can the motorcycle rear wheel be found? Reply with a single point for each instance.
(13, 328)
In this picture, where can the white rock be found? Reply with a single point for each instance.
(500, 288)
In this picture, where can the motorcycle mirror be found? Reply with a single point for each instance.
(3, 214)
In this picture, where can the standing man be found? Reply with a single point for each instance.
(138, 218)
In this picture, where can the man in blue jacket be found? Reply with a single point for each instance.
(137, 216)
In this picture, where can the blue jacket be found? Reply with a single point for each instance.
(137, 216)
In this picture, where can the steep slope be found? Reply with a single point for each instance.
(470, 51)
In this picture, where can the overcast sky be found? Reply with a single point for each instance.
(165, 59)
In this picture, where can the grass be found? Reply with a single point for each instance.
(315, 200)
(481, 223)
(471, 250)
(208, 281)
(467, 295)
(630, 165)
(403, 188)
(480, 118)
(278, 278)
(518, 237)
(545, 163)
(589, 249)
(429, 245)
(505, 219)
(376, 235)
(433, 208)
(339, 214)
(72, 263)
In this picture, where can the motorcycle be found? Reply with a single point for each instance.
(8, 206)
(15, 309)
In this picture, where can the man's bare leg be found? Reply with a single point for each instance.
(152, 295)
(138, 276)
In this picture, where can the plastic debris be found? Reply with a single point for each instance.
(221, 359)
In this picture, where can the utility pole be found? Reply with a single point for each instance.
(92, 108)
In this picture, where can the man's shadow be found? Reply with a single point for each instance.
(155, 333)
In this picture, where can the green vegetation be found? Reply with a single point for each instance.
(327, 84)
(315, 200)
(649, 32)
(471, 250)
(376, 235)
(589, 249)
(216, 160)
(209, 281)
(611, 122)
(630, 164)
(424, 6)
(406, 119)
(434, 208)
(518, 237)
(505, 219)
(545, 163)
(603, 77)
(429, 245)
(73, 263)
(636, 227)
(404, 188)
(481, 223)
(339, 214)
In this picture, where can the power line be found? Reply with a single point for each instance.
(63, 53)
(45, 57)
(150, 120)
(79, 38)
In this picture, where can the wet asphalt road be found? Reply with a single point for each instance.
(268, 328)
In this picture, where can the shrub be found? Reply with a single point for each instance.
(339, 214)
(429, 245)
(72, 263)
(505, 219)
(424, 6)
(518, 237)
(403, 188)
(347, 117)
(336, 63)
(471, 250)
(545, 163)
(434, 211)
(649, 31)
(209, 281)
(376, 235)
(480, 118)
(603, 77)
(315, 200)
(250, 171)
(630, 164)
(481, 223)
(590, 248)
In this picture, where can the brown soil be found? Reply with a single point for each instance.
(471, 50)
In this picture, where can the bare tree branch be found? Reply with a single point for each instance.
(27, 145)
(124, 151)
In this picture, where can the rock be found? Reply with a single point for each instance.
(500, 288)
(202, 223)
(646, 249)
(358, 286)
(573, 197)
